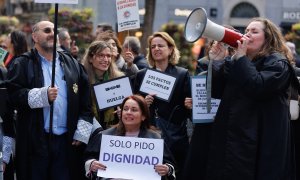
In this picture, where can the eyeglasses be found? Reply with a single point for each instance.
(102, 56)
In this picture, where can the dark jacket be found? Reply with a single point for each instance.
(93, 148)
(171, 117)
(251, 133)
(7, 117)
(180, 92)
(26, 74)
(140, 62)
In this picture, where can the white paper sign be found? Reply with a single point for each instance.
(128, 14)
(111, 93)
(130, 157)
(3, 55)
(200, 114)
(158, 83)
(57, 1)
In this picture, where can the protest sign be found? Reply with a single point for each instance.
(128, 14)
(130, 157)
(111, 93)
(158, 83)
(200, 113)
(57, 1)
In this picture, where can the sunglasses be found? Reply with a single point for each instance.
(47, 30)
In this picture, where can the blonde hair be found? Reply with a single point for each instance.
(94, 48)
(175, 55)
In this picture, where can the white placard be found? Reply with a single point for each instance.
(57, 1)
(200, 114)
(130, 157)
(111, 93)
(158, 83)
(3, 55)
(128, 14)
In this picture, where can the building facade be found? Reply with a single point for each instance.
(236, 13)
(232, 12)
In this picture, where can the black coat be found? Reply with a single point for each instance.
(140, 62)
(251, 133)
(26, 74)
(178, 120)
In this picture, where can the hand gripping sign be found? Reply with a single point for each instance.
(130, 157)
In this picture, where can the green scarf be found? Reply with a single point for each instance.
(109, 117)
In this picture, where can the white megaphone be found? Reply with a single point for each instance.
(198, 25)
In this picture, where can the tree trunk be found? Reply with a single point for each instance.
(147, 28)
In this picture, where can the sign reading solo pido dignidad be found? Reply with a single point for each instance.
(130, 157)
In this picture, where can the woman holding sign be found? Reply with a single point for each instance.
(134, 123)
(100, 68)
(170, 116)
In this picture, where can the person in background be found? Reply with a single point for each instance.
(132, 45)
(66, 43)
(100, 68)
(251, 137)
(170, 117)
(296, 123)
(7, 132)
(103, 27)
(16, 45)
(125, 64)
(292, 47)
(135, 122)
(47, 150)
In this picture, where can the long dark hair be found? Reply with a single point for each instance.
(18, 40)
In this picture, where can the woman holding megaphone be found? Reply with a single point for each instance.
(251, 133)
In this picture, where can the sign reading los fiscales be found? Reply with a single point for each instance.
(200, 114)
(111, 93)
(130, 157)
(158, 83)
(57, 1)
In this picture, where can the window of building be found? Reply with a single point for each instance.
(244, 10)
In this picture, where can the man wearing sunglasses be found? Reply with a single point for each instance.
(44, 150)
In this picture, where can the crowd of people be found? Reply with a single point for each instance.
(56, 128)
